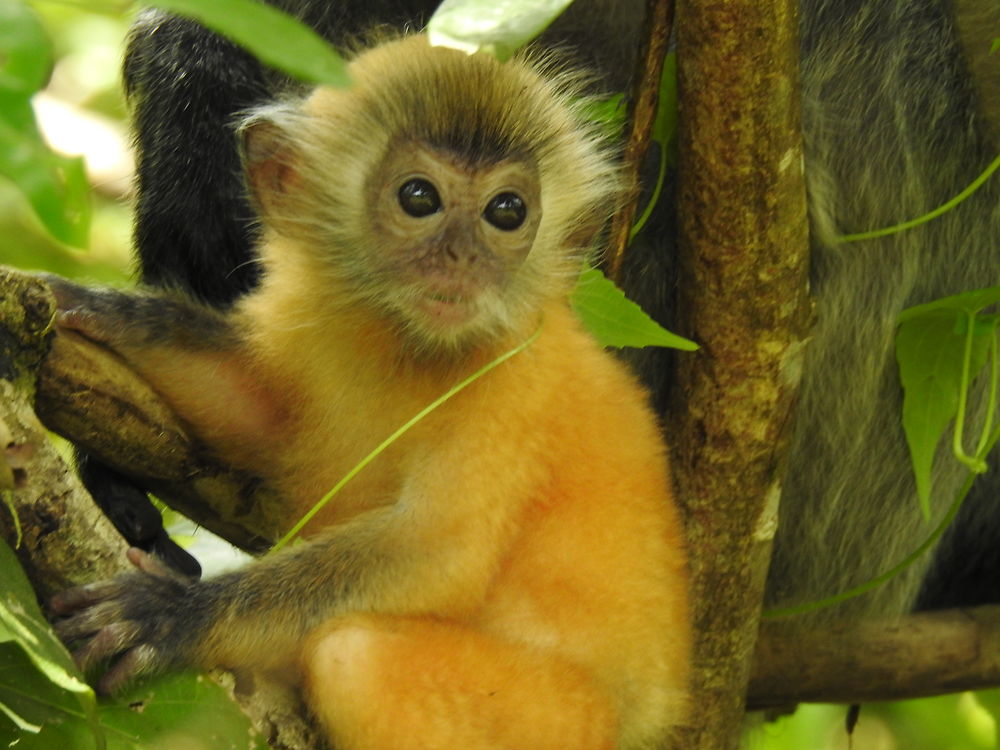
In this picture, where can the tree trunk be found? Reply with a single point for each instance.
(743, 279)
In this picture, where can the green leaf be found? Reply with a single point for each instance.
(56, 187)
(26, 58)
(176, 711)
(930, 350)
(615, 320)
(971, 302)
(278, 39)
(45, 704)
(22, 624)
(499, 27)
(610, 113)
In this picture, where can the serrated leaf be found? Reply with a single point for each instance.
(615, 320)
(499, 27)
(276, 38)
(930, 351)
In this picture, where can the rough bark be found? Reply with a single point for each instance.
(45, 506)
(929, 653)
(59, 535)
(743, 265)
(89, 396)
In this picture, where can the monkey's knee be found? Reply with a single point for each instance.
(401, 683)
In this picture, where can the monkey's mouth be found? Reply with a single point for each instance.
(447, 309)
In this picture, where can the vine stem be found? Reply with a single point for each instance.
(403, 429)
(942, 209)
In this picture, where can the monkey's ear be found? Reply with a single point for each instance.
(269, 165)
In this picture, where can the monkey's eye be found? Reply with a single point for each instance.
(419, 198)
(506, 211)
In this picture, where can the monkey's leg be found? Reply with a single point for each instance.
(391, 683)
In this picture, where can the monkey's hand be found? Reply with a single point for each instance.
(96, 313)
(148, 619)
(134, 321)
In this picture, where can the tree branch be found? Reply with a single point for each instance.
(743, 281)
(928, 653)
(89, 396)
(44, 506)
(60, 536)
(641, 119)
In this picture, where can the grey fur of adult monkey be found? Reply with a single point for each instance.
(895, 126)
(899, 116)
(901, 111)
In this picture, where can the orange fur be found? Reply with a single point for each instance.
(528, 583)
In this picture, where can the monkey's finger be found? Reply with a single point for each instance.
(85, 322)
(137, 661)
(67, 293)
(89, 621)
(110, 640)
(72, 600)
(151, 564)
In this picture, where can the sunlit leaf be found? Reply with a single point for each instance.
(615, 320)
(22, 624)
(500, 27)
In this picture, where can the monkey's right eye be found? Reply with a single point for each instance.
(419, 198)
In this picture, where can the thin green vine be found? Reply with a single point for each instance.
(381, 447)
(942, 209)
(976, 464)
(874, 583)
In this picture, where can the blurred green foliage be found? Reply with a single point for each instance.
(75, 54)
(86, 49)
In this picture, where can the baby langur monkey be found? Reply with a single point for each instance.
(509, 574)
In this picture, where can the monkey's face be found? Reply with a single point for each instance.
(448, 240)
(454, 196)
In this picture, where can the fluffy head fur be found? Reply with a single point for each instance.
(315, 165)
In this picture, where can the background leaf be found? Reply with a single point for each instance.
(615, 320)
(930, 350)
(500, 27)
(276, 38)
(55, 186)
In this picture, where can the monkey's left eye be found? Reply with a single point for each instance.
(419, 198)
(506, 211)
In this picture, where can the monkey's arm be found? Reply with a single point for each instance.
(428, 552)
(191, 353)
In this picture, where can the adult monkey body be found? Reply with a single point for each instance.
(417, 226)
(895, 124)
